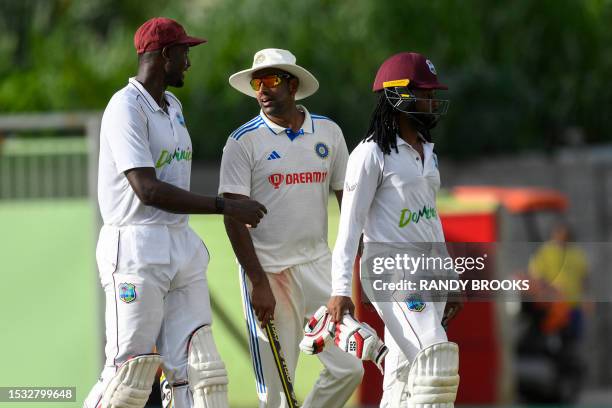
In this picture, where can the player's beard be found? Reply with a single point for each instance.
(175, 80)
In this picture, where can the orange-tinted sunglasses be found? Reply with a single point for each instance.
(270, 81)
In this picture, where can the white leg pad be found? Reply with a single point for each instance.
(206, 372)
(399, 392)
(131, 385)
(434, 377)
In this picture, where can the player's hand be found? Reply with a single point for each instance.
(246, 211)
(453, 307)
(338, 306)
(262, 300)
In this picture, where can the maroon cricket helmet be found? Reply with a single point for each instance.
(407, 69)
(160, 32)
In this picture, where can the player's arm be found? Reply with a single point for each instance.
(156, 193)
(338, 168)
(237, 166)
(131, 152)
(262, 298)
(363, 174)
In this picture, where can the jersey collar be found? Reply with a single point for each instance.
(426, 145)
(151, 103)
(307, 126)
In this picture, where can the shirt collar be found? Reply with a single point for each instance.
(152, 103)
(426, 145)
(307, 126)
(399, 141)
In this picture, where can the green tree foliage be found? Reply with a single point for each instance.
(519, 73)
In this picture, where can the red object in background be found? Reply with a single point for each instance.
(515, 199)
(370, 390)
(474, 329)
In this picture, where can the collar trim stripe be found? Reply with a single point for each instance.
(145, 98)
(250, 122)
(254, 126)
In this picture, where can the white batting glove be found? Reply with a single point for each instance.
(318, 332)
(359, 339)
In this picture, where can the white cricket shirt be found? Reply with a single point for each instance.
(136, 132)
(289, 173)
(390, 198)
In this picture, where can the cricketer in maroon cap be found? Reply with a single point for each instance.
(152, 265)
(163, 55)
(406, 83)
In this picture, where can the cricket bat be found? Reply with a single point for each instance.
(281, 365)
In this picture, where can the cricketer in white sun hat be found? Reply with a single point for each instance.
(275, 58)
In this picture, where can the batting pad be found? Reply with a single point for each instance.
(434, 377)
(131, 385)
(206, 372)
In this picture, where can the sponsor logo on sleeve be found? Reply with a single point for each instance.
(349, 188)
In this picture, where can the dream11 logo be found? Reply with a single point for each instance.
(276, 179)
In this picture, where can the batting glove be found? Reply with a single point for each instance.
(359, 339)
(318, 332)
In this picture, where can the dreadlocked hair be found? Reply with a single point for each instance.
(383, 127)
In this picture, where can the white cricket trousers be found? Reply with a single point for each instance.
(299, 291)
(154, 278)
(410, 325)
(406, 333)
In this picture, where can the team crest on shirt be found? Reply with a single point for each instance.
(180, 119)
(127, 292)
(322, 150)
(415, 304)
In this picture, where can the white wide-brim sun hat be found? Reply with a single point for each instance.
(275, 58)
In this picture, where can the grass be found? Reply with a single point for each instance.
(50, 301)
(52, 332)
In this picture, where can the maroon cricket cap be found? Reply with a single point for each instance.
(160, 32)
(411, 66)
